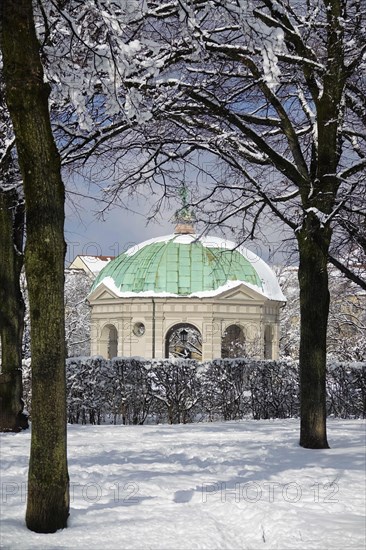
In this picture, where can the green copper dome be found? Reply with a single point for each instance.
(180, 265)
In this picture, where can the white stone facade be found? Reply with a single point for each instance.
(139, 326)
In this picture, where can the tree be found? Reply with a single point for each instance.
(80, 109)
(274, 91)
(27, 100)
(348, 253)
(346, 338)
(77, 313)
(12, 310)
(11, 261)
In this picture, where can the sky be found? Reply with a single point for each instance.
(94, 228)
(89, 233)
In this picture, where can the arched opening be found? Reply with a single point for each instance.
(109, 342)
(233, 342)
(184, 341)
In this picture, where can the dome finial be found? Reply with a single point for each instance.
(184, 216)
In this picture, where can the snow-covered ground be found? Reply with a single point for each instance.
(234, 485)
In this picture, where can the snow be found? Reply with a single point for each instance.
(322, 217)
(95, 264)
(208, 241)
(231, 485)
(109, 283)
(135, 248)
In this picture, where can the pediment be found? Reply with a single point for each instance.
(102, 293)
(241, 293)
(106, 295)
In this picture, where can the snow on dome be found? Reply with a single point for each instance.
(187, 265)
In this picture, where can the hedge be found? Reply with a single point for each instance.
(135, 391)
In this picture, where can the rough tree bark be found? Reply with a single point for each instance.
(27, 100)
(11, 312)
(314, 237)
(314, 308)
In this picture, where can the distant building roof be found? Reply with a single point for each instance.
(92, 265)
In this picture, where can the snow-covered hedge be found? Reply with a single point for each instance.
(233, 388)
(134, 391)
(346, 390)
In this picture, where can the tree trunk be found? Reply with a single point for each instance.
(11, 312)
(27, 100)
(313, 244)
